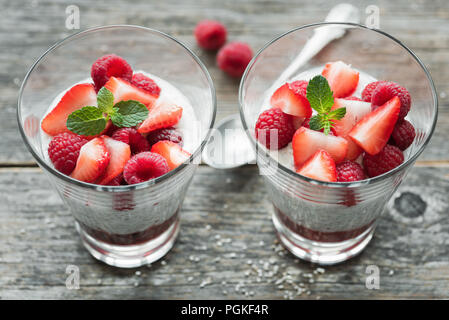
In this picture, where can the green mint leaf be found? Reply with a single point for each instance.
(320, 94)
(105, 100)
(87, 121)
(117, 119)
(131, 113)
(327, 127)
(337, 114)
(316, 122)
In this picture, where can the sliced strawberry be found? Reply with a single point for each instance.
(120, 154)
(92, 161)
(162, 115)
(354, 151)
(123, 90)
(172, 152)
(320, 166)
(342, 79)
(292, 100)
(75, 98)
(355, 111)
(373, 131)
(306, 142)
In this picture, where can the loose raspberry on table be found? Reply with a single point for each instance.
(108, 66)
(64, 150)
(143, 82)
(274, 123)
(136, 141)
(234, 57)
(210, 34)
(144, 166)
(170, 134)
(386, 91)
(368, 91)
(387, 159)
(403, 134)
(349, 171)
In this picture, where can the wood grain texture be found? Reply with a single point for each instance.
(226, 240)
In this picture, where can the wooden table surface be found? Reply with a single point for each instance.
(227, 246)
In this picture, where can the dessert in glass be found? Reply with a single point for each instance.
(117, 117)
(335, 140)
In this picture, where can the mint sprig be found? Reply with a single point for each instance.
(90, 121)
(321, 100)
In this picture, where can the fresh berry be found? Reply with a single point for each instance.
(172, 152)
(163, 115)
(170, 134)
(291, 99)
(387, 159)
(109, 66)
(117, 181)
(307, 142)
(355, 111)
(342, 79)
(234, 57)
(387, 90)
(320, 166)
(64, 150)
(120, 154)
(134, 139)
(271, 124)
(349, 171)
(373, 131)
(144, 166)
(403, 134)
(141, 81)
(78, 96)
(354, 98)
(92, 161)
(210, 35)
(354, 151)
(368, 91)
(124, 90)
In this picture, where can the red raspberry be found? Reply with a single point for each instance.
(117, 181)
(234, 57)
(348, 171)
(144, 166)
(108, 66)
(210, 35)
(136, 141)
(299, 86)
(64, 150)
(403, 134)
(387, 90)
(143, 82)
(387, 159)
(368, 91)
(274, 119)
(170, 134)
(353, 98)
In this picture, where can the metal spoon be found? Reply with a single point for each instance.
(229, 147)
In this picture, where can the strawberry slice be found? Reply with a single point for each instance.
(291, 99)
(342, 79)
(172, 152)
(123, 90)
(320, 166)
(120, 154)
(306, 142)
(373, 131)
(162, 115)
(75, 98)
(354, 151)
(92, 161)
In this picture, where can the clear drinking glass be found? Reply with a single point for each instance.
(124, 226)
(327, 222)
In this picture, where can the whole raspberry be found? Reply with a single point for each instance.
(136, 141)
(368, 91)
(234, 57)
(274, 123)
(387, 90)
(387, 159)
(144, 166)
(210, 34)
(143, 82)
(348, 171)
(117, 181)
(64, 150)
(170, 134)
(299, 86)
(403, 134)
(108, 66)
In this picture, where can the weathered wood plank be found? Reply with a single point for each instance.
(226, 238)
